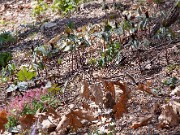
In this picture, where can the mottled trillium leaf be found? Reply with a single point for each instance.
(67, 48)
(14, 130)
(22, 86)
(146, 42)
(48, 85)
(11, 88)
(41, 65)
(71, 25)
(107, 28)
(106, 36)
(41, 50)
(119, 31)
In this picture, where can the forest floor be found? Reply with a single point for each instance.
(144, 70)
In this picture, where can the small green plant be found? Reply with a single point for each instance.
(64, 6)
(39, 7)
(5, 57)
(109, 54)
(12, 122)
(92, 61)
(172, 67)
(33, 107)
(6, 37)
(25, 75)
(165, 32)
(171, 82)
(54, 89)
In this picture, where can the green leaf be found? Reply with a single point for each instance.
(106, 36)
(71, 25)
(54, 89)
(5, 57)
(25, 75)
(41, 50)
(171, 81)
(6, 37)
(126, 25)
(107, 28)
(59, 61)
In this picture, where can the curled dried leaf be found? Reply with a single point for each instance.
(73, 119)
(143, 122)
(145, 87)
(51, 112)
(168, 118)
(97, 93)
(85, 92)
(82, 114)
(109, 86)
(27, 121)
(3, 120)
(121, 105)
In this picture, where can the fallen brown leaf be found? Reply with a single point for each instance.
(52, 112)
(85, 92)
(3, 120)
(84, 114)
(63, 124)
(121, 105)
(109, 101)
(143, 122)
(97, 93)
(26, 121)
(109, 86)
(73, 119)
(168, 118)
(176, 107)
(145, 87)
(85, 106)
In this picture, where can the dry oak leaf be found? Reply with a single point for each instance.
(168, 118)
(73, 119)
(63, 124)
(26, 121)
(54, 40)
(97, 93)
(51, 112)
(176, 91)
(75, 123)
(85, 106)
(48, 125)
(3, 8)
(176, 107)
(145, 87)
(143, 122)
(85, 92)
(84, 114)
(3, 120)
(69, 120)
(109, 86)
(121, 105)
(109, 101)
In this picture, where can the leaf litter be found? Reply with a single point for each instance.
(101, 95)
